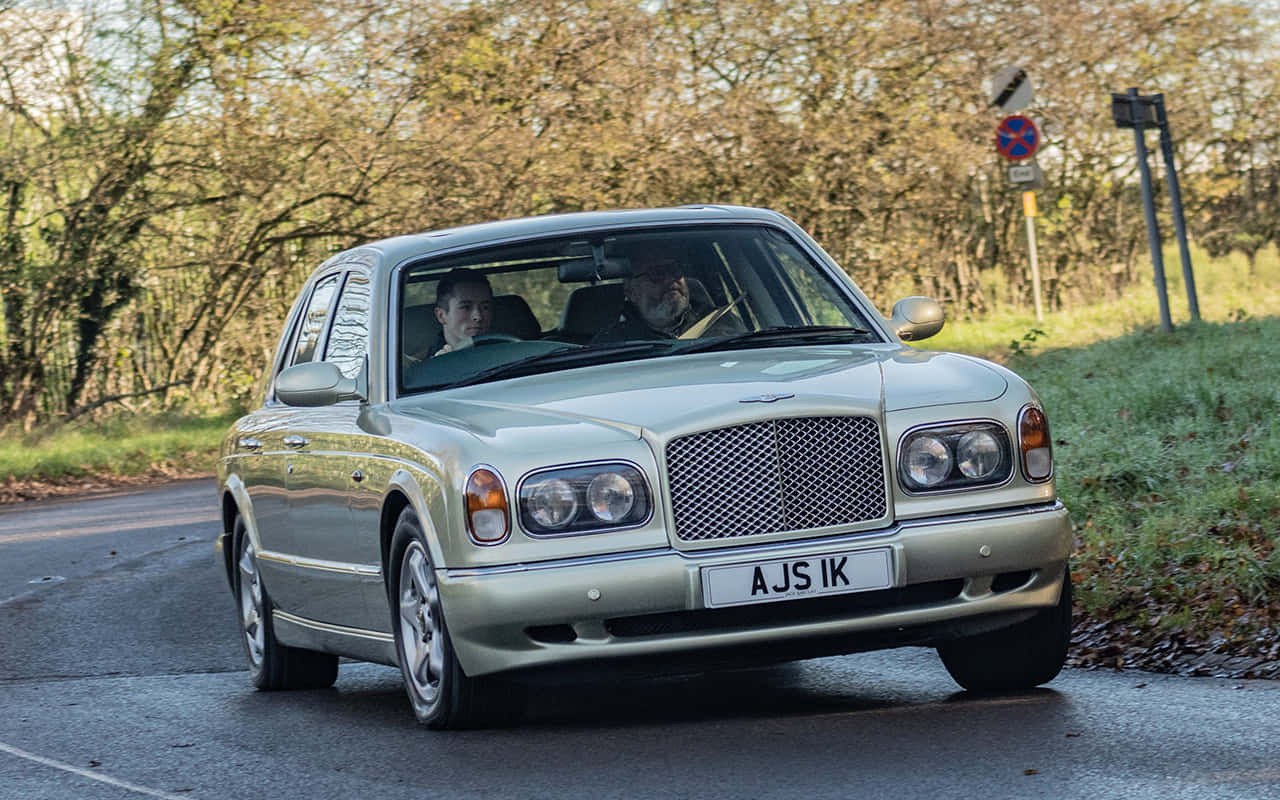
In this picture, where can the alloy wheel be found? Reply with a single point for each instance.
(420, 623)
(251, 611)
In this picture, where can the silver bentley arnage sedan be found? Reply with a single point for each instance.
(634, 442)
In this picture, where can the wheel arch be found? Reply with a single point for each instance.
(236, 503)
(405, 491)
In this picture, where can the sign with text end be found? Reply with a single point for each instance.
(1028, 175)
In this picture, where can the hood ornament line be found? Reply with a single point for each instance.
(766, 398)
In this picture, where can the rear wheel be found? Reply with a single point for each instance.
(442, 695)
(1021, 656)
(271, 665)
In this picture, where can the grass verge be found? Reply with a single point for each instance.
(1167, 450)
(1168, 455)
(122, 450)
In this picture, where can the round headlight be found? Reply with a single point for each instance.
(553, 503)
(928, 461)
(610, 496)
(978, 454)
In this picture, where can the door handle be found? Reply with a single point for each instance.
(247, 443)
(294, 440)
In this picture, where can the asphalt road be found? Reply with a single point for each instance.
(121, 677)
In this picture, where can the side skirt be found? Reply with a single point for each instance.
(375, 646)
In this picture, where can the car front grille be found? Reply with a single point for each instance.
(776, 476)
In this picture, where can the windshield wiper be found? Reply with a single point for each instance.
(570, 357)
(781, 335)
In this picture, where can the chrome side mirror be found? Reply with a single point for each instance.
(316, 383)
(916, 318)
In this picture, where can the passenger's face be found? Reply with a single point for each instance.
(659, 291)
(467, 315)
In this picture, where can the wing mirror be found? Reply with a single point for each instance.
(916, 318)
(316, 383)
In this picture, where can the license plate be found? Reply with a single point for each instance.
(793, 578)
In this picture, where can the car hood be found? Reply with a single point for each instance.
(672, 395)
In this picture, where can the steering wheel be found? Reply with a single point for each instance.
(702, 325)
(494, 338)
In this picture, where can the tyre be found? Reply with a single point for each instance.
(441, 693)
(1020, 656)
(271, 665)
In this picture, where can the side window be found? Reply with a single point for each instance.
(349, 339)
(313, 321)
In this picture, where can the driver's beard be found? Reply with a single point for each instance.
(664, 314)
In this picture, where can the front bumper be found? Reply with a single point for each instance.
(951, 576)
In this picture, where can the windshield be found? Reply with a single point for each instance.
(562, 303)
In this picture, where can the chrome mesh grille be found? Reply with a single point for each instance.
(776, 476)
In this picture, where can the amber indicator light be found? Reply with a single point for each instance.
(486, 499)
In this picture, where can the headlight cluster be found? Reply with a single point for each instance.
(583, 499)
(955, 457)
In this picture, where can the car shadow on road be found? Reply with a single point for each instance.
(372, 694)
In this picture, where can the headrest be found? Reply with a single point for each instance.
(591, 309)
(509, 313)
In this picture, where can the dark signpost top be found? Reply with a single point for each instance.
(1127, 114)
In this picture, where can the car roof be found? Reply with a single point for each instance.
(396, 249)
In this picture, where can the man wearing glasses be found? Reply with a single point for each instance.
(662, 303)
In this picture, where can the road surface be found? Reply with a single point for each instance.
(121, 676)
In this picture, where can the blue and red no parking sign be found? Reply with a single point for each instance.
(1017, 137)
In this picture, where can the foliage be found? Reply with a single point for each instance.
(169, 172)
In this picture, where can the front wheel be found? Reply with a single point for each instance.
(441, 693)
(1018, 657)
(271, 665)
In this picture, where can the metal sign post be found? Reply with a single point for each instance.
(1132, 110)
(1175, 202)
(1148, 204)
(1018, 139)
(1029, 211)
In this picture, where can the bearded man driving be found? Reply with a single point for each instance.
(659, 303)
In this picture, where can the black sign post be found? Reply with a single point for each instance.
(1175, 202)
(1132, 110)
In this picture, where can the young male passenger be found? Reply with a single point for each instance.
(463, 300)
